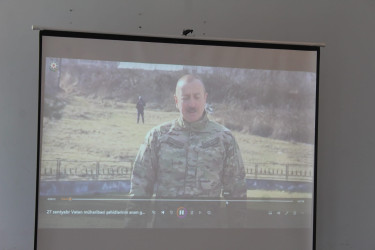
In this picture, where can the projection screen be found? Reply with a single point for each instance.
(129, 159)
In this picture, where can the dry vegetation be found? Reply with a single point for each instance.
(272, 104)
(95, 130)
(89, 114)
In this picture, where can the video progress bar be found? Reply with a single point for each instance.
(178, 200)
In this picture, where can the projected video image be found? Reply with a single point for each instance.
(123, 147)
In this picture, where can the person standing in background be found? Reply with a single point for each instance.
(140, 108)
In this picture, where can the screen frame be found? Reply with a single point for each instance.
(177, 40)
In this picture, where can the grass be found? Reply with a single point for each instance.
(103, 130)
(107, 131)
(96, 131)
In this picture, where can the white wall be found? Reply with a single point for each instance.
(346, 160)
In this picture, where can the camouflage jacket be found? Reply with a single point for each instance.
(189, 160)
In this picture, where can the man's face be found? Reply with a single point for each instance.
(190, 100)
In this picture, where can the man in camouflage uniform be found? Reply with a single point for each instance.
(190, 157)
